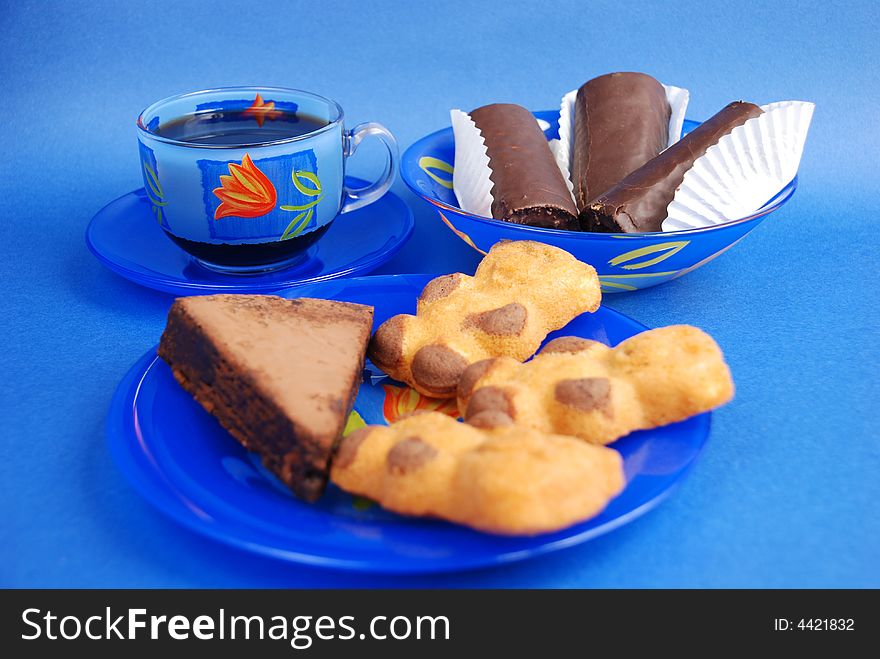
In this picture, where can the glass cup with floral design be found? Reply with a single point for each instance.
(255, 203)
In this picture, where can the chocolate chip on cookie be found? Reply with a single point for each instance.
(471, 374)
(508, 320)
(437, 368)
(490, 399)
(567, 344)
(408, 455)
(585, 394)
(386, 346)
(490, 419)
(440, 287)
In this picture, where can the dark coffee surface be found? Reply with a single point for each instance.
(232, 128)
(250, 254)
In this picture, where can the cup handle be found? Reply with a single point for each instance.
(359, 197)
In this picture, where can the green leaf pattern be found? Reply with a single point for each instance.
(308, 184)
(154, 191)
(431, 166)
(630, 260)
(637, 259)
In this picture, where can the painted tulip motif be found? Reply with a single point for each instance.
(400, 401)
(261, 111)
(308, 184)
(246, 192)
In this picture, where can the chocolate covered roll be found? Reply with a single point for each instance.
(527, 186)
(638, 203)
(621, 121)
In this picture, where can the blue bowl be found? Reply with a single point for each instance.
(624, 261)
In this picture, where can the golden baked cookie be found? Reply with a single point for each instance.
(584, 388)
(509, 480)
(521, 291)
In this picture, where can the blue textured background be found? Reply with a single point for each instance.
(787, 491)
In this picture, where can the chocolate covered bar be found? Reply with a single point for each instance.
(528, 187)
(638, 203)
(621, 121)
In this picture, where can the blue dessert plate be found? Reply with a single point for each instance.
(180, 459)
(125, 237)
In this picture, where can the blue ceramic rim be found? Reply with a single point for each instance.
(409, 157)
(118, 422)
(246, 283)
(144, 132)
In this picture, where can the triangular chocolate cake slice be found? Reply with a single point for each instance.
(280, 375)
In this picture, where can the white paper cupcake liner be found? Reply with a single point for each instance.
(563, 147)
(744, 170)
(470, 176)
(471, 181)
(677, 98)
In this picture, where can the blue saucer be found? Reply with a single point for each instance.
(125, 237)
(180, 459)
